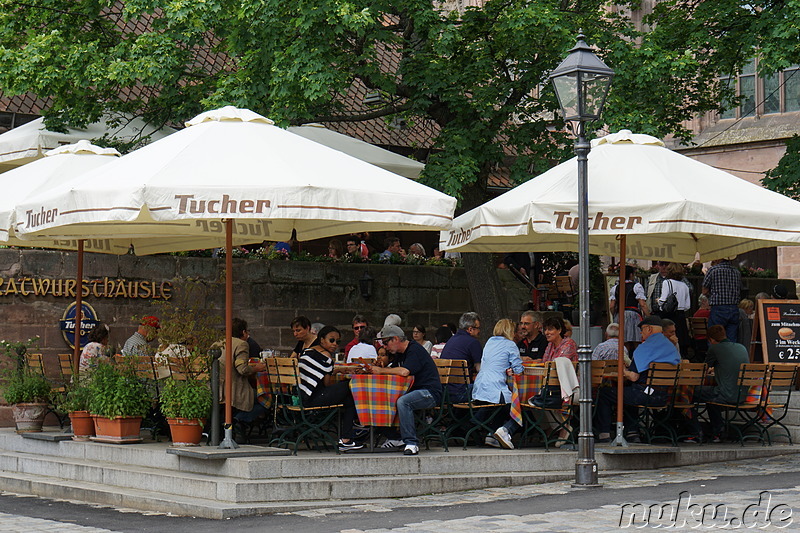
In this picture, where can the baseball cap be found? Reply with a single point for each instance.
(651, 320)
(391, 331)
(151, 321)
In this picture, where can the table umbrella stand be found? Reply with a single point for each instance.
(619, 439)
(227, 441)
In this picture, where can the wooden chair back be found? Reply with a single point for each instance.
(564, 286)
(691, 374)
(452, 371)
(65, 366)
(752, 374)
(698, 326)
(143, 366)
(781, 377)
(662, 375)
(598, 372)
(35, 363)
(283, 374)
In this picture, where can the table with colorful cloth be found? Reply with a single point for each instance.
(376, 395)
(524, 386)
(262, 389)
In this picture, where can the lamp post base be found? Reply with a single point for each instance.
(586, 475)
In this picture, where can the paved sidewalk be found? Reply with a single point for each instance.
(24, 524)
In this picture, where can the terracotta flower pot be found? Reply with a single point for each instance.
(119, 430)
(82, 425)
(186, 431)
(29, 417)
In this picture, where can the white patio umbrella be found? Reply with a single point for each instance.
(55, 167)
(668, 205)
(232, 176)
(362, 150)
(29, 142)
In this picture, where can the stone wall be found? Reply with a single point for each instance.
(268, 294)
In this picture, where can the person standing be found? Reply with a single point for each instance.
(674, 285)
(137, 344)
(723, 284)
(533, 343)
(411, 359)
(654, 285)
(635, 306)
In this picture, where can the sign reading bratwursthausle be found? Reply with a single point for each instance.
(99, 288)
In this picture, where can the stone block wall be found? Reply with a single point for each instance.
(268, 294)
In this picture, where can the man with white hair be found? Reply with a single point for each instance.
(608, 350)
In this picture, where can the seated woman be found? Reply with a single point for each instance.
(557, 344)
(301, 329)
(365, 349)
(500, 359)
(418, 333)
(317, 387)
(94, 349)
(442, 335)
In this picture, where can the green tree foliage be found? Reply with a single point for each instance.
(785, 178)
(479, 76)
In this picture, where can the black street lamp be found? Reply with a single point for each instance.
(581, 83)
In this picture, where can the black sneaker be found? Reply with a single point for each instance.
(633, 438)
(349, 446)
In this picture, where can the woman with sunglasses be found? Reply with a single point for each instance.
(319, 388)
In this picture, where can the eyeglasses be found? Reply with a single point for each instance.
(333, 340)
(474, 327)
(357, 328)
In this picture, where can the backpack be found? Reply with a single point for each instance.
(670, 304)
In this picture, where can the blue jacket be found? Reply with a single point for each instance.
(499, 354)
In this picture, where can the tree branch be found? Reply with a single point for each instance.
(378, 113)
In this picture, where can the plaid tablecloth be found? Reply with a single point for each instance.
(262, 389)
(376, 397)
(524, 386)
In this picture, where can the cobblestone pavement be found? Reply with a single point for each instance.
(776, 510)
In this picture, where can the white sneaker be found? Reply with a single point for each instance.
(491, 441)
(391, 443)
(411, 449)
(504, 438)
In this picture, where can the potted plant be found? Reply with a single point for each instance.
(27, 391)
(75, 402)
(186, 404)
(118, 401)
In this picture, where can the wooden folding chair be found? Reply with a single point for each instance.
(654, 416)
(559, 417)
(780, 384)
(744, 415)
(465, 414)
(690, 376)
(298, 422)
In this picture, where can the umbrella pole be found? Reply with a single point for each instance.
(76, 349)
(619, 440)
(228, 441)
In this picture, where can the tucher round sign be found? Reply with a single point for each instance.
(67, 323)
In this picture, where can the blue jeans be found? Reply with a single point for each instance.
(726, 316)
(406, 405)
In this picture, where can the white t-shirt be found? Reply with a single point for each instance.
(362, 350)
(681, 293)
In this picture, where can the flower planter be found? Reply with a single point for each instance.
(29, 417)
(186, 431)
(119, 430)
(82, 425)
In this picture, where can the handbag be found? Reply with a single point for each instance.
(549, 397)
(670, 305)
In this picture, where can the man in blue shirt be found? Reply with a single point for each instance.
(466, 346)
(412, 360)
(656, 348)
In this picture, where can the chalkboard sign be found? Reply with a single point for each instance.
(779, 321)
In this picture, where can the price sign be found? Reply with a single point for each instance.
(779, 321)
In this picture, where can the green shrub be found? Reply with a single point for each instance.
(26, 387)
(115, 391)
(189, 398)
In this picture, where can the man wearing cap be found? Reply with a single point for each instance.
(722, 285)
(411, 359)
(146, 332)
(655, 348)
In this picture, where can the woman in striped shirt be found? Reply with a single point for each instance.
(318, 387)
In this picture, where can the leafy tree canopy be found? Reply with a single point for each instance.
(479, 74)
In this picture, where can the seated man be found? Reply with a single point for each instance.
(656, 348)
(609, 349)
(411, 360)
(147, 331)
(242, 393)
(725, 357)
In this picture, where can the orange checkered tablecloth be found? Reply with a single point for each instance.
(376, 395)
(524, 386)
